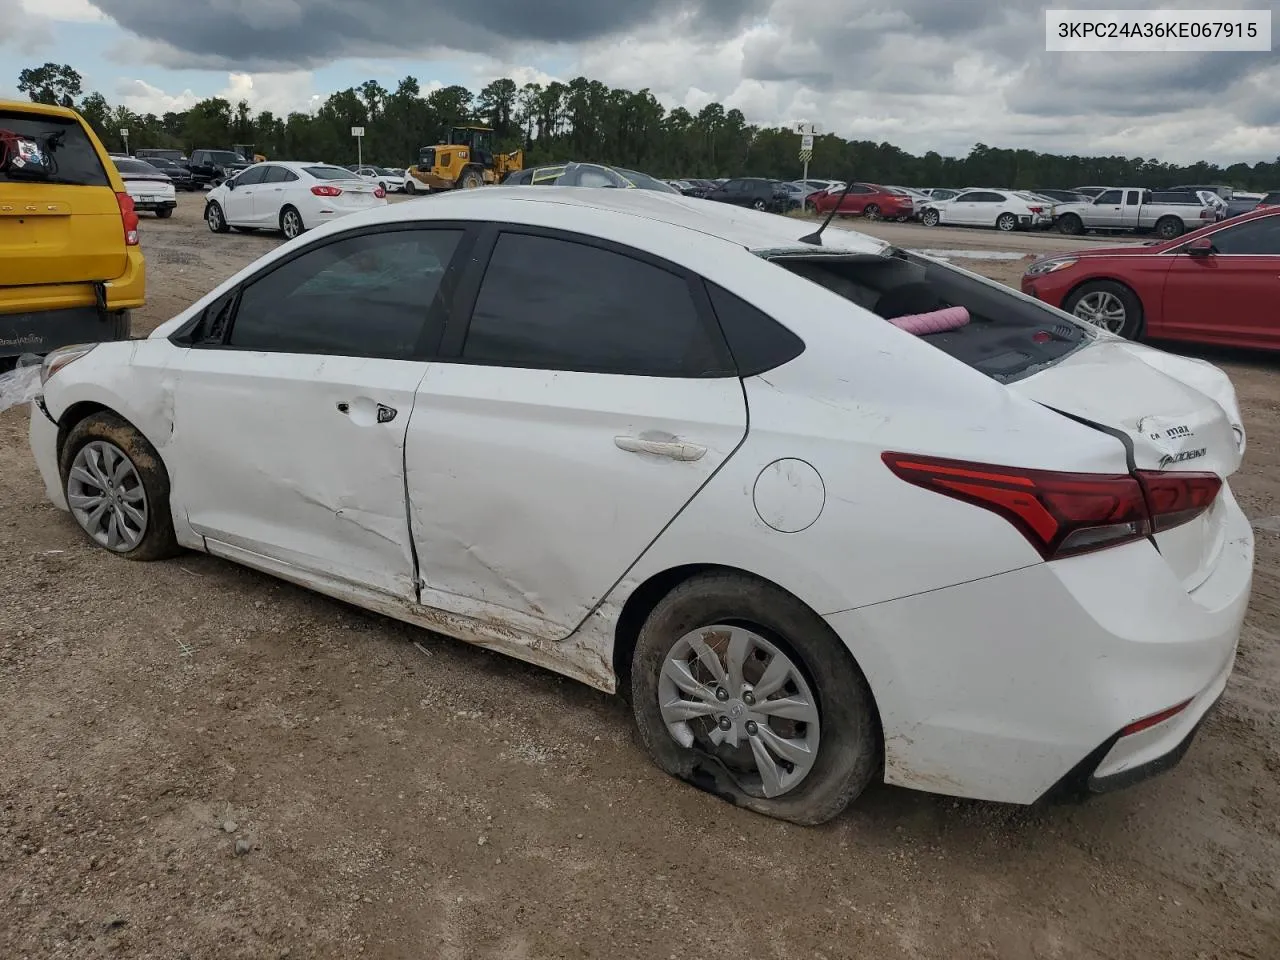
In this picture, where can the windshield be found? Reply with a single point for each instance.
(330, 173)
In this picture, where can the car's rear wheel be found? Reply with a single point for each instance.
(1109, 305)
(117, 488)
(743, 691)
(1169, 227)
(215, 218)
(1006, 222)
(164, 213)
(872, 212)
(291, 223)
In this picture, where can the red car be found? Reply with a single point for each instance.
(864, 199)
(1219, 284)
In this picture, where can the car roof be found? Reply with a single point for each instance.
(683, 218)
(41, 109)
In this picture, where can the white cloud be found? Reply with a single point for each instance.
(281, 93)
(67, 11)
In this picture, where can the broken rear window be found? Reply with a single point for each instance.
(1007, 336)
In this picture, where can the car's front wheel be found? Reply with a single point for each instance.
(930, 218)
(214, 216)
(1109, 305)
(743, 691)
(117, 488)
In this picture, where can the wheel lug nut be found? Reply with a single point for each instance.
(751, 728)
(725, 723)
(749, 698)
(722, 694)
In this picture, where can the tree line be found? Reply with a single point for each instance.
(587, 120)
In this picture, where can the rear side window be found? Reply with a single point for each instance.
(75, 161)
(554, 304)
(757, 341)
(366, 296)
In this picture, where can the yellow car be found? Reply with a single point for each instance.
(71, 269)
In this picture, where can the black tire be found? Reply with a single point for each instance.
(215, 218)
(758, 204)
(164, 213)
(1131, 328)
(1070, 224)
(291, 224)
(849, 747)
(871, 211)
(1168, 228)
(158, 541)
(1006, 223)
(408, 186)
(930, 217)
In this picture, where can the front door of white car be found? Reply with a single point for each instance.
(238, 203)
(963, 209)
(588, 400)
(290, 417)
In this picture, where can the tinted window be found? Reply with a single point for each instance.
(733, 186)
(857, 188)
(140, 167)
(251, 176)
(645, 182)
(330, 173)
(1255, 237)
(556, 305)
(519, 177)
(1132, 198)
(967, 197)
(363, 296)
(222, 156)
(274, 175)
(1109, 196)
(757, 341)
(74, 159)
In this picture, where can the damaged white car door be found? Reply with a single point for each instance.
(583, 396)
(290, 415)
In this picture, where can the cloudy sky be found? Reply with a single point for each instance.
(923, 74)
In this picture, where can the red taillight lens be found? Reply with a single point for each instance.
(1063, 514)
(324, 190)
(129, 217)
(1036, 209)
(1175, 498)
(1146, 723)
(379, 192)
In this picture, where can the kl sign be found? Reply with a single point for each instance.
(805, 128)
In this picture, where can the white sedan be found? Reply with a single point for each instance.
(389, 180)
(289, 197)
(671, 449)
(1006, 210)
(150, 188)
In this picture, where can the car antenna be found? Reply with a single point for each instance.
(816, 237)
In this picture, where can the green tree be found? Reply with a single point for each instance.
(53, 83)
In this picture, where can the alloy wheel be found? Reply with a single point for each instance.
(106, 496)
(1102, 309)
(727, 690)
(292, 224)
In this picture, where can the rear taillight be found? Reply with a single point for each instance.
(1146, 723)
(1064, 514)
(379, 192)
(1036, 209)
(129, 217)
(324, 190)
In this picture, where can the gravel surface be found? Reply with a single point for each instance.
(203, 762)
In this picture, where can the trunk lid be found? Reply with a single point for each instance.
(1177, 414)
(63, 229)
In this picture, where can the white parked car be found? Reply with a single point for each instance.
(670, 448)
(150, 188)
(391, 181)
(290, 197)
(1006, 210)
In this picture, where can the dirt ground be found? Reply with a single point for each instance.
(399, 795)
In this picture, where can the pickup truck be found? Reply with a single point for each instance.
(211, 167)
(1168, 214)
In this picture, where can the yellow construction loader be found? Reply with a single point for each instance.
(465, 162)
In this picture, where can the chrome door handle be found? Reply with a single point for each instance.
(672, 449)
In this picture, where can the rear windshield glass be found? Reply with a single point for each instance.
(330, 173)
(136, 167)
(223, 156)
(646, 182)
(1007, 337)
(160, 154)
(74, 159)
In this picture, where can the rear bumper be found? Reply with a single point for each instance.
(1016, 687)
(40, 331)
(155, 205)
